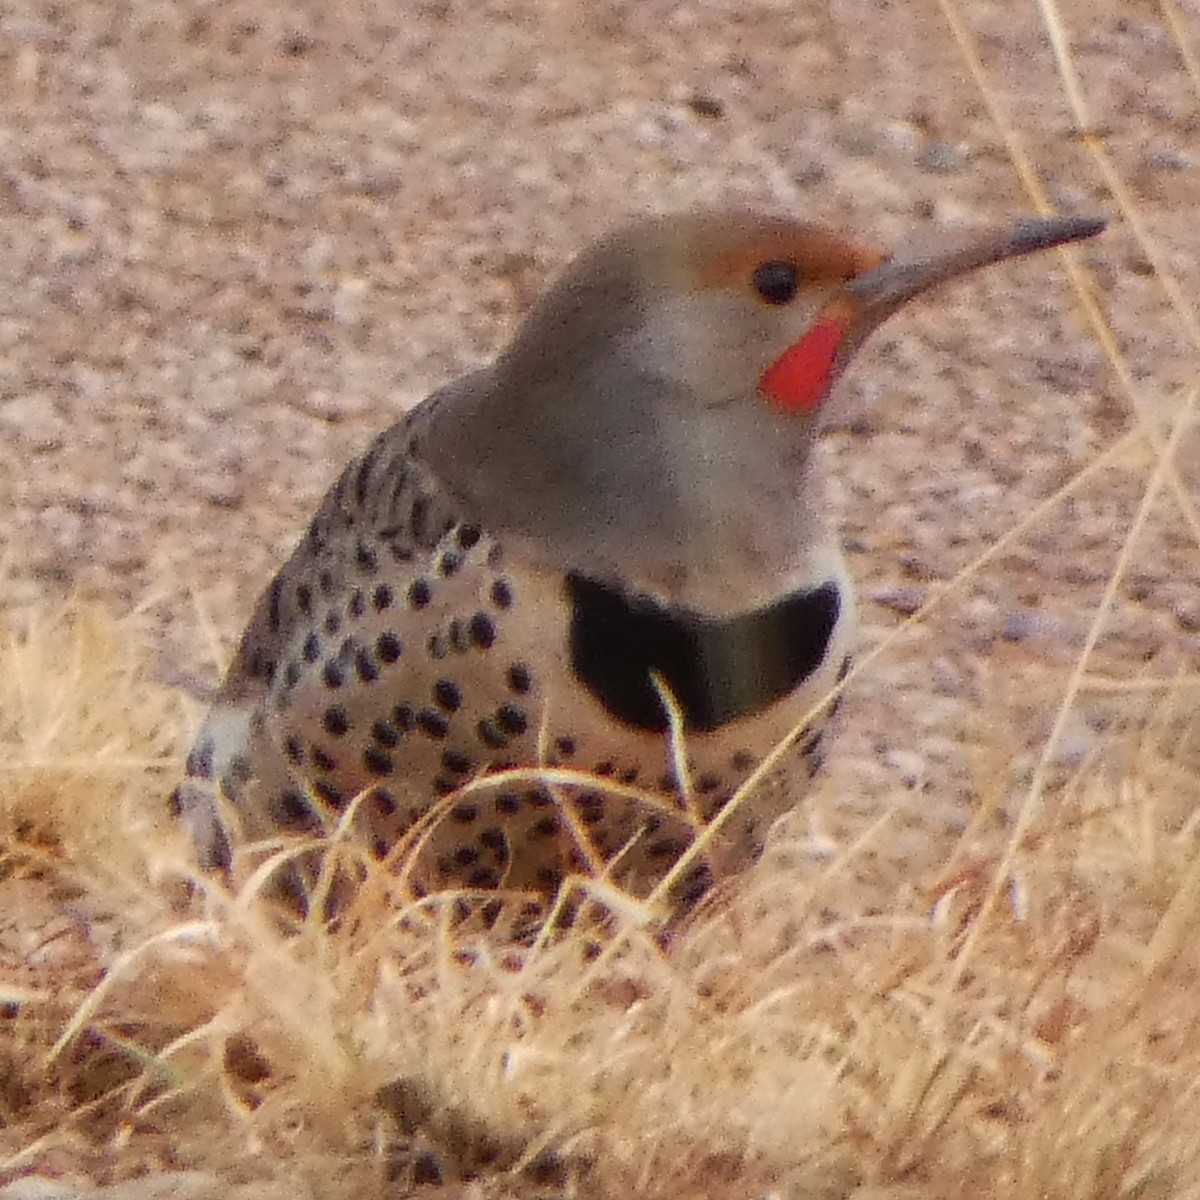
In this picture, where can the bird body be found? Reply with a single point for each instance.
(621, 512)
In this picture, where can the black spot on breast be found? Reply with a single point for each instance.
(491, 735)
(590, 806)
(388, 647)
(432, 724)
(544, 827)
(323, 761)
(290, 810)
(367, 559)
(512, 719)
(331, 795)
(335, 721)
(378, 762)
(718, 670)
(482, 631)
(365, 666)
(550, 880)
(386, 734)
(466, 856)
(494, 840)
(457, 763)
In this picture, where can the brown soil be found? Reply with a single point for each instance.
(240, 239)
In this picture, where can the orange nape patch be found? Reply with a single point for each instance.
(800, 378)
(821, 256)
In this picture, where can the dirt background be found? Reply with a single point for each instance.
(239, 238)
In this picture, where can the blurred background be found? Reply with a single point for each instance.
(238, 238)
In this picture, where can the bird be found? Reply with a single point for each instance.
(606, 553)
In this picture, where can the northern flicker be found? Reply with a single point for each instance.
(621, 508)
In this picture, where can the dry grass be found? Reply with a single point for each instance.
(818, 1030)
(1011, 1009)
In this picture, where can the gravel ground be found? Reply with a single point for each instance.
(239, 237)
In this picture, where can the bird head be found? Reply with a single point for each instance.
(738, 306)
(659, 404)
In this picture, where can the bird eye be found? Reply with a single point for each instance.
(776, 282)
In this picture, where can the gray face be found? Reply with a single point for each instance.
(634, 428)
(624, 428)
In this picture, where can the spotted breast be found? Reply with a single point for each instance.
(621, 515)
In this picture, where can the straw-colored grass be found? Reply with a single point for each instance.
(821, 1028)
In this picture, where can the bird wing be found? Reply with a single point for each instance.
(386, 504)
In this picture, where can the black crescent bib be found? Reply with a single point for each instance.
(718, 670)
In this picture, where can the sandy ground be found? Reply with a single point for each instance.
(239, 238)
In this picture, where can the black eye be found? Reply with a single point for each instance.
(776, 282)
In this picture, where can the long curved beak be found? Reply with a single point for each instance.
(878, 293)
(800, 378)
